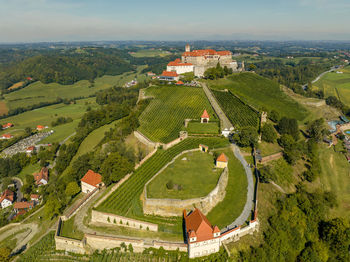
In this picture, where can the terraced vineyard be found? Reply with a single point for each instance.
(240, 114)
(164, 118)
(125, 200)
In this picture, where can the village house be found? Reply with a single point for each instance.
(40, 128)
(205, 117)
(150, 74)
(42, 178)
(30, 149)
(91, 181)
(202, 238)
(8, 125)
(179, 83)
(35, 198)
(6, 198)
(22, 207)
(169, 76)
(221, 161)
(6, 136)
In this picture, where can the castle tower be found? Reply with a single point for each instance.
(188, 48)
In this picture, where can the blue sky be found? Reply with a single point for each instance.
(63, 20)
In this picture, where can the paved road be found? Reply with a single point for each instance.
(225, 122)
(246, 213)
(18, 182)
(322, 74)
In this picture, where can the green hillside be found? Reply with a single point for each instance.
(164, 118)
(261, 93)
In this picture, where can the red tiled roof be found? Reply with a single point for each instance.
(205, 52)
(169, 74)
(216, 229)
(40, 127)
(43, 174)
(222, 158)
(199, 224)
(30, 148)
(205, 114)
(7, 135)
(179, 83)
(34, 196)
(7, 194)
(23, 205)
(177, 62)
(92, 178)
(7, 125)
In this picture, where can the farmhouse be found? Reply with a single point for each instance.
(221, 161)
(8, 125)
(205, 117)
(23, 207)
(6, 136)
(201, 237)
(6, 198)
(91, 181)
(42, 177)
(169, 76)
(39, 127)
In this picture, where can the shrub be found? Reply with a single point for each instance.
(170, 185)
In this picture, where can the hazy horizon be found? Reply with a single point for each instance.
(29, 21)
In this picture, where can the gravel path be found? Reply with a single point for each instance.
(225, 122)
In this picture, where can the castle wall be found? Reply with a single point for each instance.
(204, 248)
(175, 207)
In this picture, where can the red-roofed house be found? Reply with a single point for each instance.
(23, 206)
(202, 238)
(221, 161)
(91, 181)
(6, 136)
(39, 127)
(8, 125)
(34, 197)
(6, 198)
(179, 83)
(179, 67)
(30, 149)
(42, 178)
(205, 117)
(169, 76)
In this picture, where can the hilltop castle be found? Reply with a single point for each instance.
(198, 61)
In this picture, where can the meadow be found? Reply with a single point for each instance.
(261, 94)
(194, 171)
(150, 53)
(195, 127)
(164, 117)
(334, 84)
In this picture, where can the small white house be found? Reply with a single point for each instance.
(91, 181)
(6, 198)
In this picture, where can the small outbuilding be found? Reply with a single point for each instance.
(203, 148)
(222, 161)
(91, 181)
(205, 117)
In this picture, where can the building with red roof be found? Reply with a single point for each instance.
(30, 149)
(179, 67)
(40, 127)
(23, 207)
(169, 76)
(205, 117)
(8, 125)
(91, 181)
(179, 83)
(202, 238)
(6, 136)
(6, 198)
(222, 161)
(42, 178)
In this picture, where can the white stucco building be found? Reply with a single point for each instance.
(91, 181)
(6, 198)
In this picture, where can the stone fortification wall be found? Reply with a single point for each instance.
(143, 139)
(238, 232)
(111, 219)
(175, 207)
(105, 242)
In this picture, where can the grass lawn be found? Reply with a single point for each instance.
(231, 207)
(29, 170)
(269, 148)
(164, 117)
(205, 128)
(260, 92)
(335, 177)
(334, 84)
(3, 108)
(69, 229)
(195, 172)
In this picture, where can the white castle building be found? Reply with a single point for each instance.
(198, 61)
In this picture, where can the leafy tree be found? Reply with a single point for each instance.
(115, 167)
(5, 253)
(268, 133)
(247, 136)
(72, 189)
(288, 126)
(274, 116)
(317, 129)
(52, 207)
(266, 174)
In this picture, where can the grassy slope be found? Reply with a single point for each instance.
(164, 117)
(195, 175)
(199, 128)
(261, 93)
(332, 82)
(69, 229)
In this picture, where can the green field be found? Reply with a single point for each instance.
(39, 92)
(203, 128)
(45, 115)
(239, 113)
(334, 177)
(164, 117)
(260, 93)
(150, 53)
(195, 172)
(69, 229)
(334, 84)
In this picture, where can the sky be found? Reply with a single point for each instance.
(101, 20)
